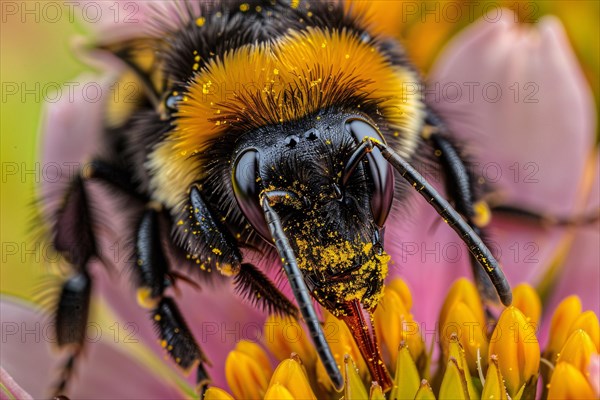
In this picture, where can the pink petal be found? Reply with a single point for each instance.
(103, 371)
(540, 138)
(581, 272)
(216, 316)
(126, 19)
(71, 132)
(10, 388)
(115, 20)
(536, 128)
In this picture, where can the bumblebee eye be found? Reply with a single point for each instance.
(172, 101)
(380, 172)
(246, 189)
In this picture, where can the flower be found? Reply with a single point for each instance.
(512, 366)
(478, 53)
(512, 370)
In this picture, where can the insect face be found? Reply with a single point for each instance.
(333, 204)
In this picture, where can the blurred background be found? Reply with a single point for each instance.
(36, 59)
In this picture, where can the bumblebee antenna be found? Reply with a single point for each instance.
(301, 293)
(451, 216)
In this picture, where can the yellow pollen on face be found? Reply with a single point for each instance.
(244, 7)
(200, 21)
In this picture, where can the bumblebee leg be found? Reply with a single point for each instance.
(73, 237)
(71, 322)
(460, 185)
(208, 239)
(201, 234)
(257, 288)
(152, 274)
(544, 220)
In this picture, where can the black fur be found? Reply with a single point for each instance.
(227, 27)
(73, 234)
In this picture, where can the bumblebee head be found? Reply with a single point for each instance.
(333, 198)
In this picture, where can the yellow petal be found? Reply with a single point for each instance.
(454, 386)
(588, 321)
(456, 351)
(394, 324)
(517, 348)
(463, 291)
(526, 299)
(568, 383)
(376, 393)
(354, 388)
(494, 383)
(565, 314)
(284, 336)
(401, 288)
(462, 322)
(277, 392)
(578, 351)
(245, 375)
(255, 351)
(213, 393)
(342, 343)
(469, 326)
(425, 392)
(291, 374)
(406, 380)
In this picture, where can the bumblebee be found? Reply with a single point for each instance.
(280, 128)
